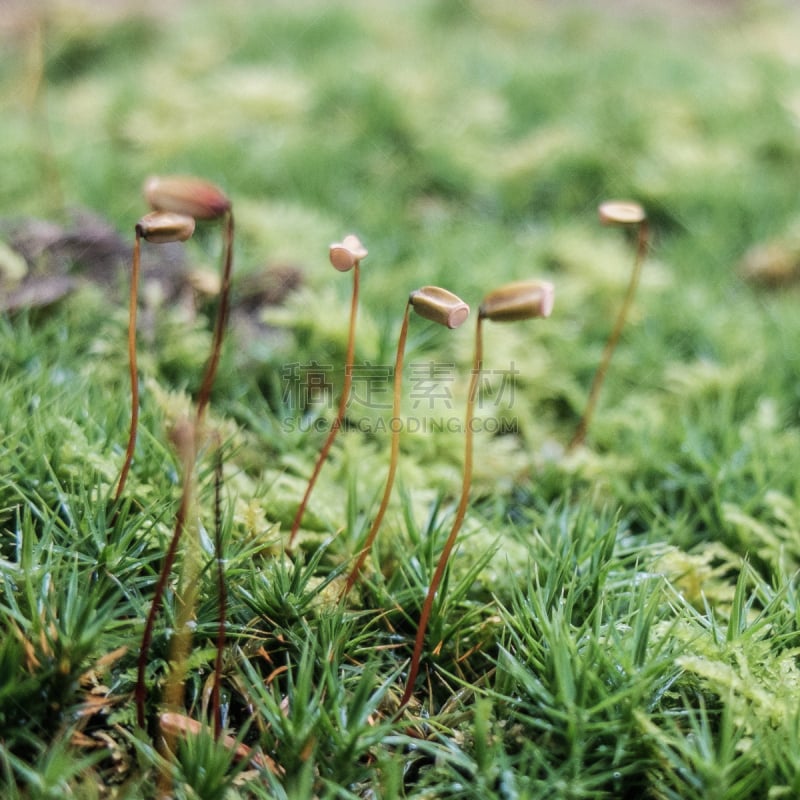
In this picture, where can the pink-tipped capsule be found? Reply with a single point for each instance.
(621, 212)
(346, 254)
(517, 301)
(187, 195)
(160, 227)
(439, 305)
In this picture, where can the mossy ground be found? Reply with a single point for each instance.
(622, 621)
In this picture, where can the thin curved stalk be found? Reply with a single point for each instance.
(157, 227)
(337, 423)
(461, 511)
(222, 592)
(188, 451)
(393, 456)
(134, 372)
(223, 312)
(599, 377)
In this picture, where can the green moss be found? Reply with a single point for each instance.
(617, 621)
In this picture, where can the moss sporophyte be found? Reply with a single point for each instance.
(177, 201)
(206, 202)
(158, 228)
(344, 256)
(509, 303)
(628, 214)
(437, 305)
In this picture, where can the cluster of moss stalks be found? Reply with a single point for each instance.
(177, 204)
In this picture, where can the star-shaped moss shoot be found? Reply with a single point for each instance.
(510, 303)
(156, 228)
(437, 305)
(627, 214)
(344, 256)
